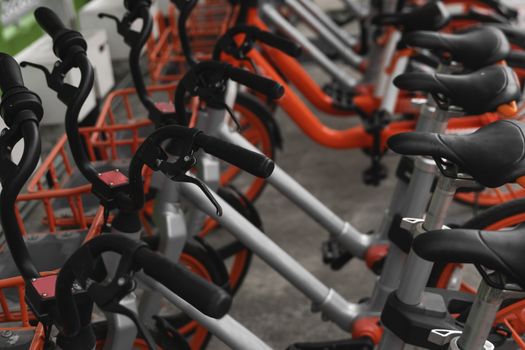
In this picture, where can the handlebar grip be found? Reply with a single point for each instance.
(208, 298)
(288, 47)
(263, 85)
(131, 5)
(49, 21)
(516, 59)
(254, 163)
(10, 74)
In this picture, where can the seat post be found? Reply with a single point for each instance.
(410, 199)
(480, 319)
(417, 270)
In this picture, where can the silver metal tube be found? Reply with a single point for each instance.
(389, 6)
(122, 332)
(324, 299)
(386, 58)
(395, 206)
(441, 200)
(355, 9)
(417, 269)
(171, 226)
(414, 279)
(227, 329)
(324, 33)
(121, 329)
(373, 68)
(344, 36)
(481, 317)
(324, 62)
(391, 93)
(418, 192)
(389, 279)
(356, 242)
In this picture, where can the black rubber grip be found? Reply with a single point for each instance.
(10, 74)
(49, 21)
(287, 46)
(263, 85)
(516, 59)
(254, 163)
(208, 298)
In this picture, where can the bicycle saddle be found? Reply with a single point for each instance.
(478, 92)
(493, 155)
(499, 251)
(476, 48)
(431, 16)
(514, 34)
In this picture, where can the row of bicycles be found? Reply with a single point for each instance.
(112, 239)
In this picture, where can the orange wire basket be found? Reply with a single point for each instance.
(18, 325)
(208, 21)
(123, 107)
(60, 192)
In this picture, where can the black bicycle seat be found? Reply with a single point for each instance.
(431, 16)
(478, 92)
(493, 155)
(514, 34)
(476, 48)
(499, 251)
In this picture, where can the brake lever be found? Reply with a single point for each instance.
(55, 79)
(207, 90)
(52, 81)
(130, 36)
(203, 188)
(228, 110)
(177, 172)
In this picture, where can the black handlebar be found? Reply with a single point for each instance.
(11, 76)
(65, 41)
(21, 110)
(251, 162)
(251, 34)
(265, 86)
(287, 46)
(18, 103)
(49, 22)
(208, 298)
(131, 5)
(203, 78)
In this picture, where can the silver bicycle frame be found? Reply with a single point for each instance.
(226, 329)
(356, 10)
(344, 36)
(318, 21)
(383, 79)
(122, 332)
(170, 221)
(417, 270)
(356, 242)
(325, 300)
(275, 18)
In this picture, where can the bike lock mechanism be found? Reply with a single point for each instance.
(227, 43)
(80, 269)
(208, 81)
